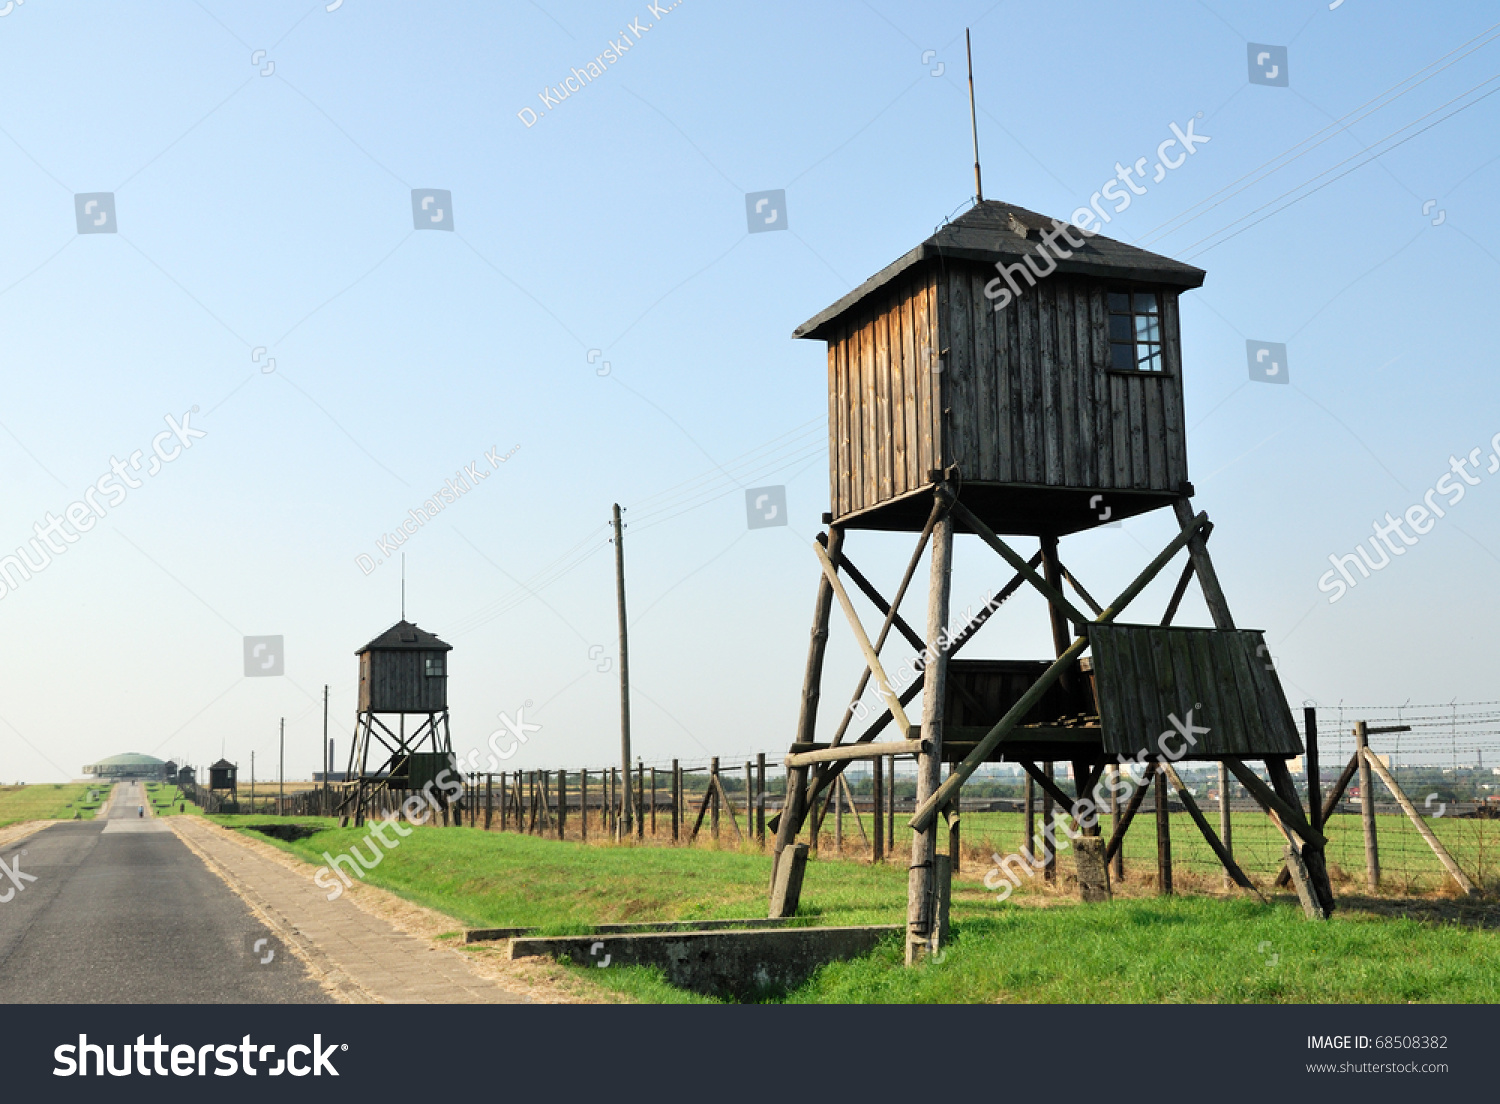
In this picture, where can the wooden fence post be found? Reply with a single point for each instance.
(953, 828)
(1049, 864)
(676, 797)
(1367, 808)
(1226, 822)
(562, 801)
(1312, 769)
(489, 800)
(614, 819)
(1114, 819)
(749, 800)
(583, 805)
(877, 803)
(1163, 838)
(760, 798)
(890, 812)
(838, 816)
(640, 799)
(713, 797)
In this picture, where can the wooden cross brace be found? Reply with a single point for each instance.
(945, 793)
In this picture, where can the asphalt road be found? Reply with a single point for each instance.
(119, 911)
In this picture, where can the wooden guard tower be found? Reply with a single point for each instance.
(403, 671)
(1003, 379)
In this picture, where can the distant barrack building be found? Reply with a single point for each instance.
(129, 765)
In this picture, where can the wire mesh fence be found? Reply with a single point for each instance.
(1435, 754)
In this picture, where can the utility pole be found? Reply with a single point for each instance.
(281, 774)
(622, 828)
(327, 765)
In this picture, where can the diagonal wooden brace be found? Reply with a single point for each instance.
(882, 682)
(1012, 557)
(1209, 834)
(961, 771)
(1118, 839)
(1416, 818)
(1268, 797)
(878, 601)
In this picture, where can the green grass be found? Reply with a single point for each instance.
(1177, 950)
(50, 801)
(165, 799)
(1144, 949)
(494, 879)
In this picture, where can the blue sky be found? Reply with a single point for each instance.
(271, 216)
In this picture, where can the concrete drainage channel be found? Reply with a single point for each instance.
(735, 959)
(287, 833)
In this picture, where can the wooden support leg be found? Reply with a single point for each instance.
(943, 888)
(793, 809)
(791, 813)
(1312, 846)
(786, 887)
(921, 891)
(1093, 871)
(877, 850)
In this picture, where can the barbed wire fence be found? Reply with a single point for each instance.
(1436, 754)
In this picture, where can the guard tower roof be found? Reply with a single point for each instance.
(994, 231)
(404, 636)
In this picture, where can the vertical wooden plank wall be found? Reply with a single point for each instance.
(1023, 395)
(881, 386)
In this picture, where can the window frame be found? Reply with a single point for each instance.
(442, 667)
(1132, 290)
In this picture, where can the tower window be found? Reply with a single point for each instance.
(434, 666)
(1135, 331)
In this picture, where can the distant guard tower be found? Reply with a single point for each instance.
(402, 671)
(224, 778)
(1006, 378)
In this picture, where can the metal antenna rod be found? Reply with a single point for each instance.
(403, 586)
(973, 122)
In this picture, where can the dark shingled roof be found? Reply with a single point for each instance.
(993, 231)
(405, 635)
